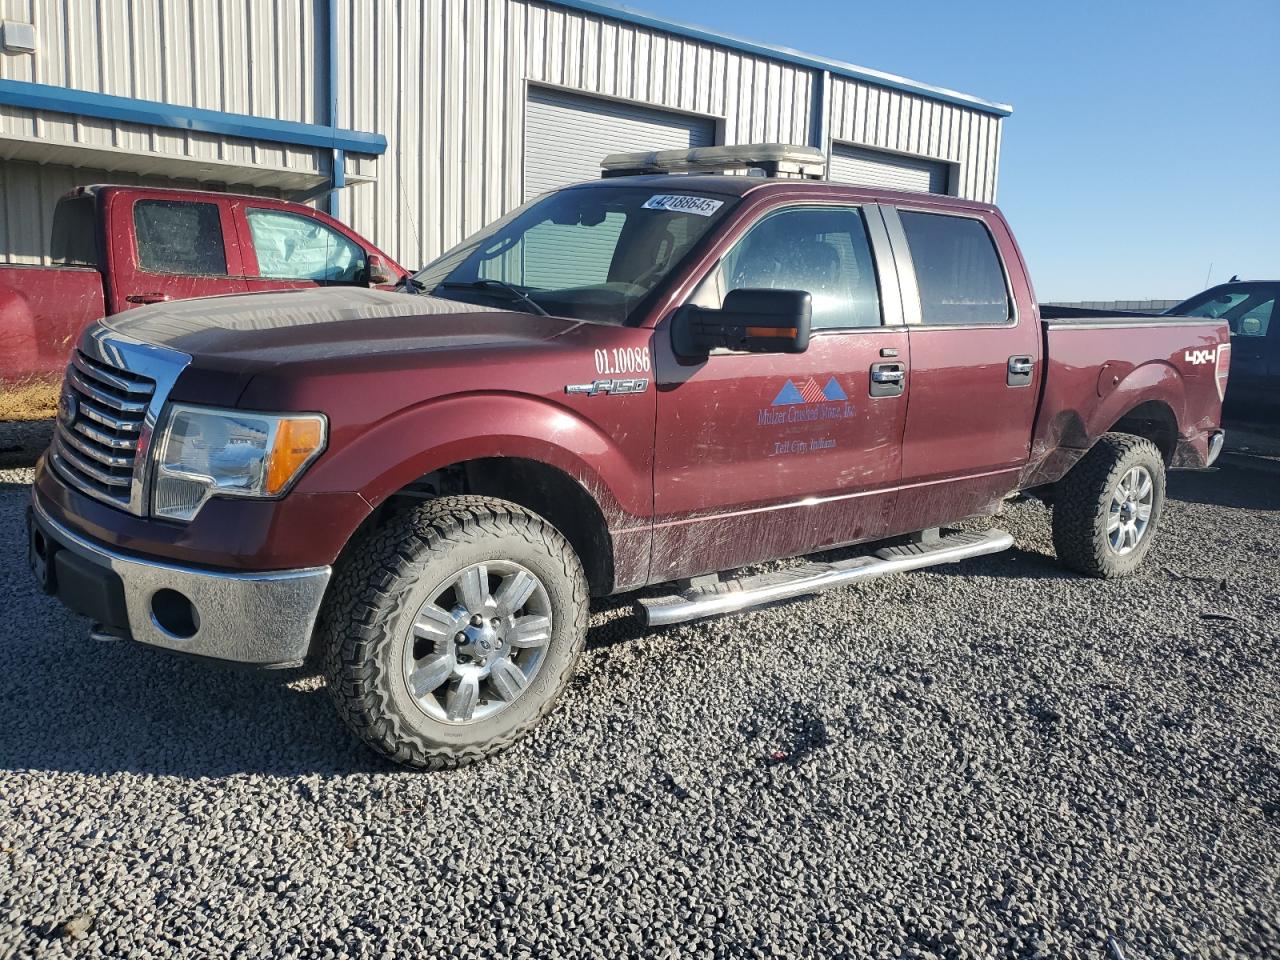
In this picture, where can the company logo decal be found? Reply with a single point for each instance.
(798, 413)
(809, 392)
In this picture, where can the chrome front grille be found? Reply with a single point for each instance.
(101, 417)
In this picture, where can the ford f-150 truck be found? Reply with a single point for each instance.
(648, 379)
(117, 247)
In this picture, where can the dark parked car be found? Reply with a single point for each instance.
(1249, 307)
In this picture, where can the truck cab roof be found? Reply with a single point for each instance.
(732, 185)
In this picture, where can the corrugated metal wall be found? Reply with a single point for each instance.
(456, 133)
(241, 56)
(445, 81)
(866, 115)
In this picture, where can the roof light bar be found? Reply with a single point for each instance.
(775, 159)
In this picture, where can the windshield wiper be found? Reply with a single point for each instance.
(502, 285)
(515, 291)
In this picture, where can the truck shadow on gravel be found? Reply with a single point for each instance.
(1242, 482)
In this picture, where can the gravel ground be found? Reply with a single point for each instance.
(992, 759)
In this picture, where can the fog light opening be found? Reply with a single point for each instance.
(174, 614)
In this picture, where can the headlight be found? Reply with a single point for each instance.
(230, 453)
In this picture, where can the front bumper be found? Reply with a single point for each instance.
(264, 619)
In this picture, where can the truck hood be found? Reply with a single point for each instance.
(251, 332)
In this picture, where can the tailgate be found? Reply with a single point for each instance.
(42, 311)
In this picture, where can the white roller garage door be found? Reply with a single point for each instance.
(874, 168)
(566, 136)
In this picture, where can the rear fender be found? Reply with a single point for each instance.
(1073, 430)
(1157, 382)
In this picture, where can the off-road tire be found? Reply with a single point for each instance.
(1082, 500)
(376, 591)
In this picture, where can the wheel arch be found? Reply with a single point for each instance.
(1152, 420)
(543, 489)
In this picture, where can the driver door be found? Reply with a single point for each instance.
(761, 456)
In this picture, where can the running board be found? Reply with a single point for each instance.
(732, 596)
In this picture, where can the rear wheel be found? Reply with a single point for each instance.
(452, 629)
(1106, 510)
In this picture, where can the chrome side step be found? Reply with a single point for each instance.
(732, 596)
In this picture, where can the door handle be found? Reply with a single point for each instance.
(1019, 371)
(887, 379)
(147, 297)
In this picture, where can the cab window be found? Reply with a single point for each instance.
(957, 269)
(293, 247)
(179, 236)
(824, 251)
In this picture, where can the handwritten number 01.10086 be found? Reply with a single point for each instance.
(623, 360)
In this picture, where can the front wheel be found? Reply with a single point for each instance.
(452, 628)
(1106, 510)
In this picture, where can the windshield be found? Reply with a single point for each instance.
(588, 254)
(1247, 307)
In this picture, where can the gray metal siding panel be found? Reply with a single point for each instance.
(566, 136)
(875, 168)
(445, 81)
(876, 117)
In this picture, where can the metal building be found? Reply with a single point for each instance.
(433, 117)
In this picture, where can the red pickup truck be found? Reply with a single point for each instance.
(116, 247)
(648, 379)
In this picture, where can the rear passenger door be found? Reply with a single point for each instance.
(170, 249)
(975, 364)
(761, 456)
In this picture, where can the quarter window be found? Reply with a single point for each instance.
(1255, 321)
(958, 270)
(294, 247)
(177, 236)
(821, 250)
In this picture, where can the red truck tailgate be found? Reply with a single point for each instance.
(42, 311)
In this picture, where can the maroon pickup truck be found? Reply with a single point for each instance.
(648, 379)
(115, 248)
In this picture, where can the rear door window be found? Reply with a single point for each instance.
(179, 237)
(958, 270)
(290, 246)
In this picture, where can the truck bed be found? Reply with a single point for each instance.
(1103, 368)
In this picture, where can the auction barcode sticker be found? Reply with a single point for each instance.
(702, 206)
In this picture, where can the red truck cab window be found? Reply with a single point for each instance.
(294, 247)
(175, 236)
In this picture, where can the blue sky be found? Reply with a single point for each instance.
(1145, 139)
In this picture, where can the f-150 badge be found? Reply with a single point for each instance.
(612, 387)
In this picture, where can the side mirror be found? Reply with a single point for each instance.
(1251, 327)
(377, 272)
(753, 321)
